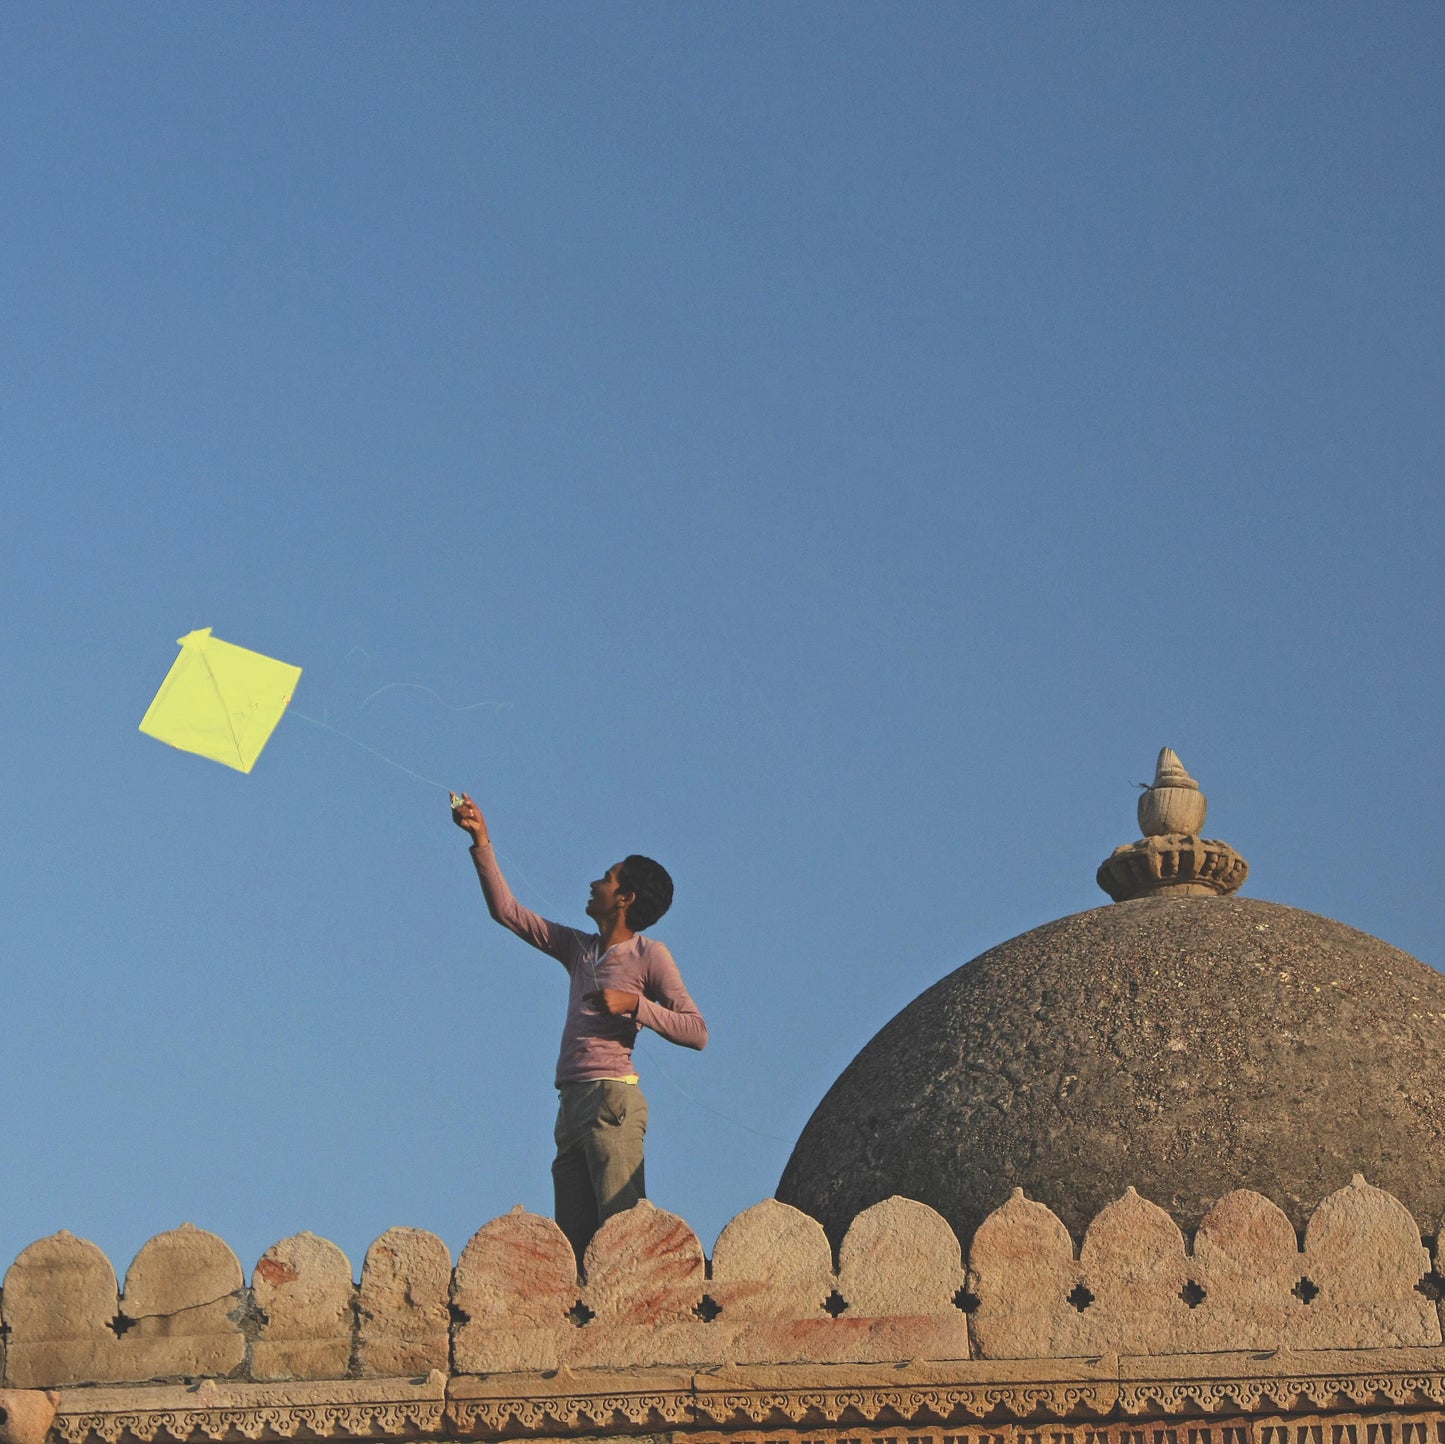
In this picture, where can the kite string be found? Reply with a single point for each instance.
(664, 1072)
(669, 1077)
(430, 692)
(381, 756)
(366, 747)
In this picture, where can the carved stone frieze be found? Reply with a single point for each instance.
(564, 1401)
(1303, 1429)
(1346, 1397)
(1282, 1381)
(212, 1410)
(775, 1397)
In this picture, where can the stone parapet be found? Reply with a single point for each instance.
(902, 1290)
(1361, 1280)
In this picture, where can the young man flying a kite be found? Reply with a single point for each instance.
(620, 981)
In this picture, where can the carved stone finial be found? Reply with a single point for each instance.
(1173, 803)
(1171, 857)
(1169, 771)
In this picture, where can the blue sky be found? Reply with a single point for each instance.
(828, 447)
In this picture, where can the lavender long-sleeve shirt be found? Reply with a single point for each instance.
(596, 1044)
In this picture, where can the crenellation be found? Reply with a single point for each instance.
(1362, 1251)
(303, 1291)
(1247, 1258)
(646, 1278)
(772, 1262)
(180, 1309)
(644, 1266)
(649, 1300)
(511, 1294)
(404, 1314)
(1133, 1262)
(60, 1303)
(900, 1271)
(1021, 1266)
(772, 1272)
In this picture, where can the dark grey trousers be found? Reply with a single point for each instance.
(598, 1168)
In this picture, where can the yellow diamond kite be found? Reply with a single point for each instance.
(220, 700)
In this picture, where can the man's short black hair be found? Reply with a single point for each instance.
(652, 889)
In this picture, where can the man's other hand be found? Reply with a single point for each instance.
(614, 1002)
(469, 818)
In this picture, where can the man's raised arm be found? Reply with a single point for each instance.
(552, 938)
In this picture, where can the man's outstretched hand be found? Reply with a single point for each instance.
(613, 1001)
(469, 818)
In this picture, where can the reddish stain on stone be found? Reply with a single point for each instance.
(275, 1272)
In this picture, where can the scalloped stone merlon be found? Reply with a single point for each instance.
(1175, 863)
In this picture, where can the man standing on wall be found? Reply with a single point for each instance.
(620, 981)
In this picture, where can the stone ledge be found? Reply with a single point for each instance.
(1147, 1389)
(1019, 1401)
(565, 1401)
(620, 1401)
(223, 1410)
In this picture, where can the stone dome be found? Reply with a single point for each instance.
(1183, 1044)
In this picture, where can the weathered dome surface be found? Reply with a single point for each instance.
(1187, 1046)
